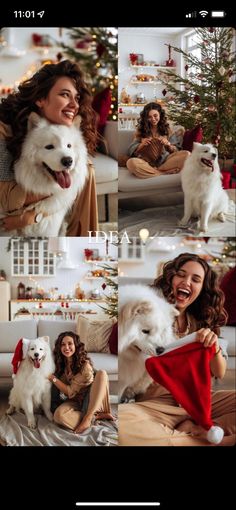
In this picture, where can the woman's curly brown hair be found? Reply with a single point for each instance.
(79, 357)
(144, 125)
(15, 109)
(208, 308)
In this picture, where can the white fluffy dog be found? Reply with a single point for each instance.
(53, 162)
(145, 328)
(31, 387)
(204, 196)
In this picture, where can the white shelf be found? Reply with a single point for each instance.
(140, 82)
(101, 261)
(152, 66)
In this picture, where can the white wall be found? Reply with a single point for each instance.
(161, 250)
(14, 68)
(153, 48)
(65, 279)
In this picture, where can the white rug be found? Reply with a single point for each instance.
(163, 221)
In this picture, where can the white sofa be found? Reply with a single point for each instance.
(11, 332)
(165, 188)
(106, 165)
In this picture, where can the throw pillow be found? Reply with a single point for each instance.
(95, 332)
(102, 104)
(190, 136)
(113, 339)
(150, 152)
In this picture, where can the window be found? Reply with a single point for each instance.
(133, 251)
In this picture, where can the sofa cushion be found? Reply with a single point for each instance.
(105, 361)
(101, 104)
(11, 332)
(95, 332)
(190, 136)
(54, 328)
(113, 339)
(106, 168)
(6, 368)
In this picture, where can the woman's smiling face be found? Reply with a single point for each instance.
(187, 284)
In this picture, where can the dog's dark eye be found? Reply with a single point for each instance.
(49, 147)
(146, 331)
(40, 349)
(206, 151)
(69, 145)
(32, 349)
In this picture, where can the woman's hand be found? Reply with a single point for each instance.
(145, 141)
(32, 198)
(18, 221)
(207, 337)
(50, 377)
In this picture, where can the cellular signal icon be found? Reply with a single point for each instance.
(203, 13)
(191, 15)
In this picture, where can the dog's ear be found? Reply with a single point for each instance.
(142, 308)
(33, 120)
(131, 309)
(196, 145)
(77, 121)
(25, 345)
(46, 338)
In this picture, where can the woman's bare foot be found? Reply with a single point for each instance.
(104, 416)
(84, 424)
(189, 427)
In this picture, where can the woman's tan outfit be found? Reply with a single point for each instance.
(153, 418)
(86, 394)
(172, 165)
(81, 219)
(170, 161)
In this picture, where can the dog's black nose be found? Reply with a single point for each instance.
(159, 350)
(214, 156)
(36, 354)
(67, 162)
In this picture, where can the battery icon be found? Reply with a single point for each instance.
(217, 14)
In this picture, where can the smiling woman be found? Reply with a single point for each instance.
(57, 92)
(156, 418)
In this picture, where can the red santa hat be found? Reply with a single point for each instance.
(185, 372)
(19, 354)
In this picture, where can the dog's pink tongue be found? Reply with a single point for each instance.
(36, 363)
(63, 178)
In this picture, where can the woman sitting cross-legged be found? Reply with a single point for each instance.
(153, 151)
(86, 395)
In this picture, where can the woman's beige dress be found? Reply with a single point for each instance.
(152, 420)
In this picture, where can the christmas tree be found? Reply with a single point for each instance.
(95, 49)
(206, 95)
(112, 297)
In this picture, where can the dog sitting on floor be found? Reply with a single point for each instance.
(204, 196)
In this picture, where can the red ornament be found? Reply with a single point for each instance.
(186, 67)
(196, 99)
(133, 58)
(164, 92)
(100, 49)
(103, 286)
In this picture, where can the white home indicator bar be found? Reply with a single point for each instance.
(118, 504)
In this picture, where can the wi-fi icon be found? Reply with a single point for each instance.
(203, 13)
